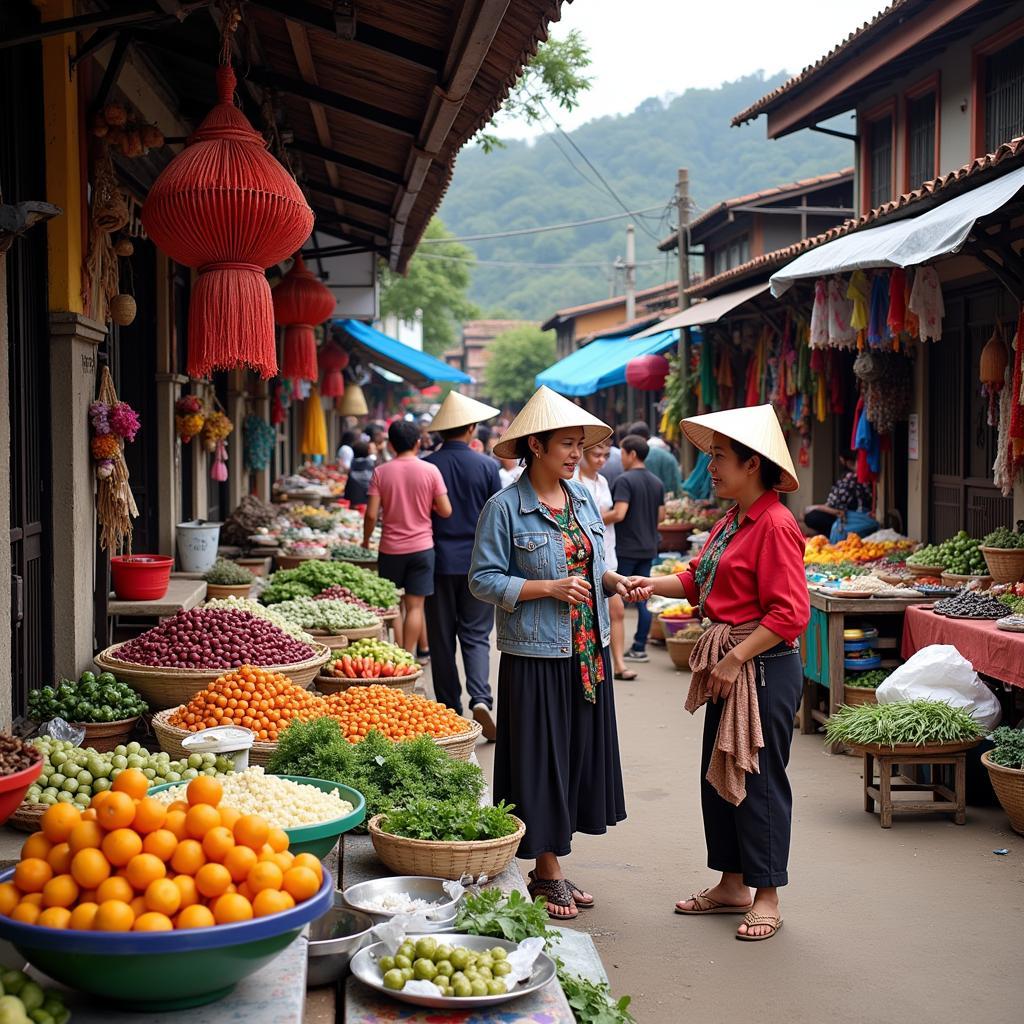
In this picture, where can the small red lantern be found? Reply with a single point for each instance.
(647, 373)
(333, 359)
(301, 302)
(227, 207)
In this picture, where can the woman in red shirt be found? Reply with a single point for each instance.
(749, 581)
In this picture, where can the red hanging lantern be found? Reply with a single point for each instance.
(647, 373)
(333, 359)
(301, 302)
(227, 207)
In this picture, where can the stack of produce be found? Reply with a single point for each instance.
(16, 755)
(352, 553)
(246, 604)
(455, 971)
(913, 722)
(698, 514)
(670, 567)
(340, 593)
(262, 701)
(132, 863)
(388, 774)
(225, 573)
(970, 605)
(835, 570)
(312, 578)
(93, 698)
(678, 610)
(325, 616)
(305, 548)
(75, 774)
(819, 551)
(869, 680)
(1013, 598)
(1005, 538)
(371, 659)
(874, 585)
(22, 1001)
(361, 710)
(204, 638)
(319, 520)
(960, 555)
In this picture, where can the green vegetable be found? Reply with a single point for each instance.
(448, 821)
(836, 570)
(960, 555)
(515, 918)
(352, 553)
(315, 575)
(1004, 537)
(227, 573)
(1009, 750)
(915, 722)
(380, 650)
(91, 699)
(592, 1002)
(869, 680)
(329, 616)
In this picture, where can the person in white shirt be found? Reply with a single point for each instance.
(509, 470)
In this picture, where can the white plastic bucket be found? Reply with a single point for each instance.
(198, 541)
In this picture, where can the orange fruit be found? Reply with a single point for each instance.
(121, 845)
(284, 860)
(115, 888)
(163, 896)
(252, 831)
(83, 916)
(188, 857)
(150, 815)
(145, 869)
(89, 814)
(58, 821)
(89, 868)
(117, 811)
(32, 874)
(239, 861)
(26, 913)
(244, 890)
(175, 823)
(132, 782)
(186, 886)
(265, 875)
(204, 790)
(37, 845)
(231, 908)
(113, 916)
(152, 922)
(60, 859)
(55, 917)
(86, 895)
(277, 838)
(307, 860)
(61, 891)
(300, 883)
(162, 843)
(270, 901)
(87, 835)
(177, 805)
(200, 819)
(138, 905)
(9, 898)
(228, 816)
(99, 799)
(217, 843)
(196, 916)
(212, 879)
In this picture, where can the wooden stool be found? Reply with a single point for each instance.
(944, 800)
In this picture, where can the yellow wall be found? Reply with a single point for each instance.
(599, 320)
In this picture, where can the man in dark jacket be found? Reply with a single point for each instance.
(452, 611)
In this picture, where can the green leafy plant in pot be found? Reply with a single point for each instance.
(227, 579)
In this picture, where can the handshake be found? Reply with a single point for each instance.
(630, 588)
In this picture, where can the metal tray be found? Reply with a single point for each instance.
(364, 967)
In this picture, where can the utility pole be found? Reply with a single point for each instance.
(683, 212)
(630, 268)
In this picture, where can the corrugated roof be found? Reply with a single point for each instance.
(644, 295)
(938, 189)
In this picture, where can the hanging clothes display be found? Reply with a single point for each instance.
(865, 443)
(878, 328)
(911, 325)
(820, 314)
(841, 334)
(926, 302)
(897, 314)
(858, 291)
(708, 385)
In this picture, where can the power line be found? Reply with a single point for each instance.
(534, 231)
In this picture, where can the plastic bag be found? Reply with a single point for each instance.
(61, 730)
(941, 672)
(854, 521)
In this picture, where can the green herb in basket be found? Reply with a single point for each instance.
(869, 680)
(912, 722)
(1009, 750)
(226, 573)
(450, 821)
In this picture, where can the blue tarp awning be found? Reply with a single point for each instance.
(410, 364)
(601, 364)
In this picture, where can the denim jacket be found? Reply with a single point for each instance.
(518, 540)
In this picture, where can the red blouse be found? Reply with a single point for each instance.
(760, 577)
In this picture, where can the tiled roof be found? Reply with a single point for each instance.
(877, 25)
(775, 192)
(944, 187)
(645, 294)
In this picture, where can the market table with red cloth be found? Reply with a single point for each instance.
(993, 652)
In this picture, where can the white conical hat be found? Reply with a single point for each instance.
(756, 426)
(459, 411)
(548, 410)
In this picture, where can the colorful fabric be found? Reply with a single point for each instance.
(926, 302)
(897, 315)
(840, 311)
(578, 554)
(859, 293)
(878, 328)
(848, 493)
(819, 315)
(707, 568)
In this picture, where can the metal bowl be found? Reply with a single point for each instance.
(333, 940)
(366, 969)
(431, 889)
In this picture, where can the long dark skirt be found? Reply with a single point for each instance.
(557, 755)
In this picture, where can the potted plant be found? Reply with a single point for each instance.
(228, 579)
(1004, 553)
(1005, 764)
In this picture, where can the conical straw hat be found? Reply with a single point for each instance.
(459, 411)
(548, 410)
(756, 426)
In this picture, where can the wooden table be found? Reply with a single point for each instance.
(823, 654)
(181, 595)
(944, 800)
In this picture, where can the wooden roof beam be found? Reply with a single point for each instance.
(333, 217)
(346, 196)
(351, 162)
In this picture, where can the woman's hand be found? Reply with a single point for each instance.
(638, 588)
(723, 677)
(613, 583)
(571, 590)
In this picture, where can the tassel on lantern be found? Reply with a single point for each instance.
(333, 360)
(314, 426)
(225, 206)
(300, 303)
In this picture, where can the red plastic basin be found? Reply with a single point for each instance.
(141, 577)
(14, 787)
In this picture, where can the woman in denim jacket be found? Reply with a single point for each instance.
(539, 558)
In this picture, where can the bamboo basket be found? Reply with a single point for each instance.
(854, 695)
(913, 749)
(170, 737)
(461, 745)
(444, 860)
(1008, 784)
(104, 736)
(336, 641)
(925, 570)
(169, 687)
(1005, 564)
(679, 651)
(220, 590)
(954, 580)
(339, 684)
(656, 633)
(363, 633)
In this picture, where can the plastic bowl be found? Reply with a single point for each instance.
(319, 839)
(141, 577)
(162, 970)
(14, 787)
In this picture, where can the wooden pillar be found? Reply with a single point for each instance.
(237, 476)
(918, 470)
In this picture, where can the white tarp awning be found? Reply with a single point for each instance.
(705, 312)
(939, 231)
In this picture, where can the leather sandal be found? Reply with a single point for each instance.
(558, 892)
(704, 904)
(751, 919)
(577, 894)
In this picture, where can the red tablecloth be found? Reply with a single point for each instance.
(993, 652)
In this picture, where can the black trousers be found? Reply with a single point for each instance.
(820, 521)
(753, 838)
(452, 612)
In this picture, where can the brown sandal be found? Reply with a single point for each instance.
(558, 892)
(704, 904)
(751, 919)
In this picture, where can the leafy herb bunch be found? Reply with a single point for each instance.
(451, 821)
(1009, 750)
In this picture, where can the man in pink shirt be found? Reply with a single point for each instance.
(405, 491)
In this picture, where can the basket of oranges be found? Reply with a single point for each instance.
(156, 906)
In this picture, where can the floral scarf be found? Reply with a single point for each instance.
(707, 568)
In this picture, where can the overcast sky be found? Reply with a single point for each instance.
(643, 48)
